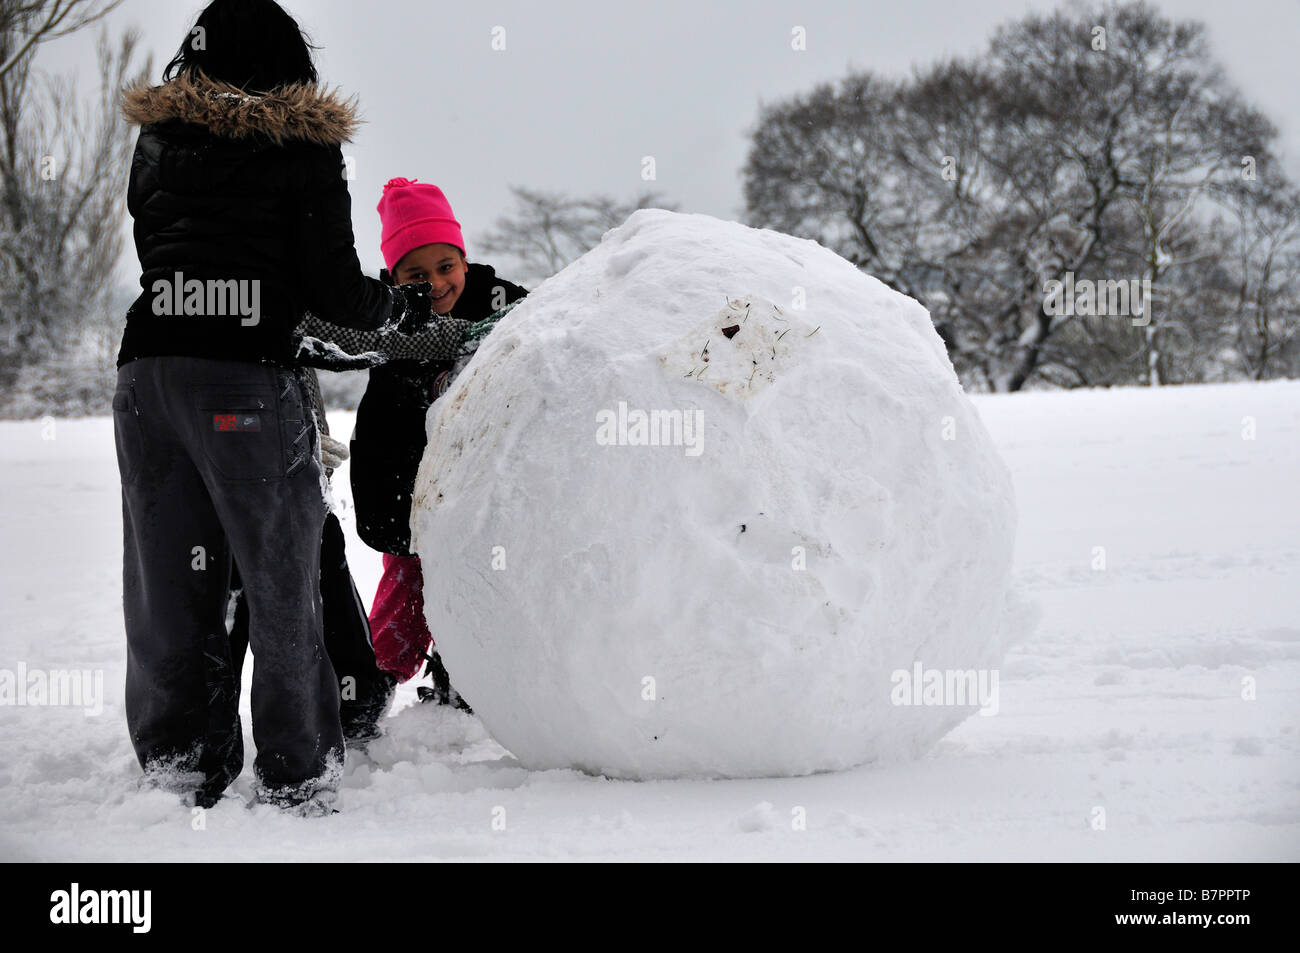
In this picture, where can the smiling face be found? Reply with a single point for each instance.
(442, 265)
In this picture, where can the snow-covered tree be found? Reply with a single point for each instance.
(1097, 144)
(64, 160)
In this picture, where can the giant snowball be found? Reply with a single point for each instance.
(712, 502)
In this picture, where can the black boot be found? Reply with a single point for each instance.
(361, 717)
(441, 693)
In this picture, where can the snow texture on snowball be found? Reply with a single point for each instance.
(733, 599)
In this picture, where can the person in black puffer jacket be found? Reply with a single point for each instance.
(421, 241)
(242, 225)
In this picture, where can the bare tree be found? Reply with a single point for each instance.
(64, 162)
(25, 24)
(1268, 312)
(1095, 145)
(544, 231)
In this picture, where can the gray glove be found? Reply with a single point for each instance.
(332, 452)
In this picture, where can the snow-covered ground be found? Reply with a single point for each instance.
(1152, 716)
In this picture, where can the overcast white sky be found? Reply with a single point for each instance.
(585, 88)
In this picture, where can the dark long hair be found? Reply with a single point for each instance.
(252, 44)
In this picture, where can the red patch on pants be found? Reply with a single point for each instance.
(230, 423)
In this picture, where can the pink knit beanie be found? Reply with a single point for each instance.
(411, 214)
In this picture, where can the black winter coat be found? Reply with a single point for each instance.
(231, 187)
(389, 438)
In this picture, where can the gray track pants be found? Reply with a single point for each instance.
(218, 458)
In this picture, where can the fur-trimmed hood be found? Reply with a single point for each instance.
(303, 111)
